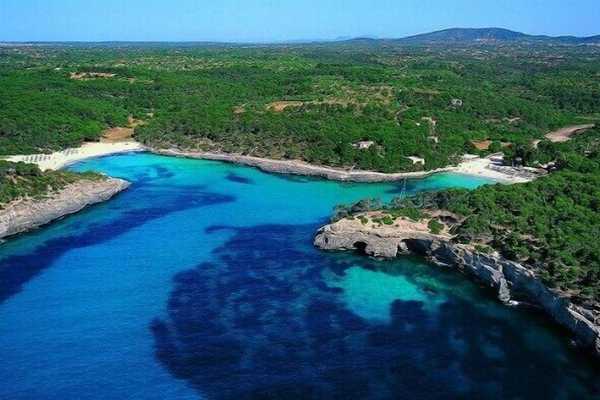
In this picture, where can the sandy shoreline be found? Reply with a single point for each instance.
(61, 159)
(485, 168)
(480, 167)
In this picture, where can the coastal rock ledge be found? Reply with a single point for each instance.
(513, 282)
(26, 214)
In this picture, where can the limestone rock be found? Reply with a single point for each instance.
(23, 215)
(512, 280)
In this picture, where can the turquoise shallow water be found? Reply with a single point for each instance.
(200, 281)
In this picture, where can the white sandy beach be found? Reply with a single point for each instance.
(482, 167)
(485, 168)
(60, 159)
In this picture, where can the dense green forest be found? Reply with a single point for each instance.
(21, 180)
(310, 102)
(315, 102)
(551, 224)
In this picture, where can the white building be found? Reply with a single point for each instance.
(417, 160)
(363, 145)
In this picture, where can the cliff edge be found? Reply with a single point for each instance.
(512, 281)
(26, 214)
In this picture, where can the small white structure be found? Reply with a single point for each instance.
(417, 160)
(430, 120)
(363, 144)
(456, 103)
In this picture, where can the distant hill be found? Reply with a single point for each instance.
(482, 35)
(457, 36)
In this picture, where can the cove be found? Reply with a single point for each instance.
(201, 281)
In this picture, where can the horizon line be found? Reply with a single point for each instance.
(286, 41)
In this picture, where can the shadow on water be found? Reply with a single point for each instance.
(17, 270)
(260, 322)
(233, 177)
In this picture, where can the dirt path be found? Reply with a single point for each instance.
(565, 134)
(117, 134)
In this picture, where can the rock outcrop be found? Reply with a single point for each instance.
(376, 240)
(26, 214)
(513, 282)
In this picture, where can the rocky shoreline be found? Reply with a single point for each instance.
(296, 167)
(513, 282)
(27, 214)
(480, 167)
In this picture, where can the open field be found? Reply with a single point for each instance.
(565, 134)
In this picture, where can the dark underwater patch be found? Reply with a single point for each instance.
(161, 171)
(260, 322)
(409, 187)
(17, 270)
(233, 177)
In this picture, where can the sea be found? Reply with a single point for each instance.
(201, 282)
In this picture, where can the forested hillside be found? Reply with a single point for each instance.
(551, 224)
(311, 102)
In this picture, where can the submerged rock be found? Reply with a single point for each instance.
(26, 214)
(512, 281)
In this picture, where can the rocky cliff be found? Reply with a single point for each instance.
(26, 214)
(513, 282)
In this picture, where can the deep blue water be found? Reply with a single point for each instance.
(201, 281)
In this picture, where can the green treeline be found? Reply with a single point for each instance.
(21, 180)
(423, 102)
(551, 224)
(315, 102)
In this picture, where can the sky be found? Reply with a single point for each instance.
(283, 20)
